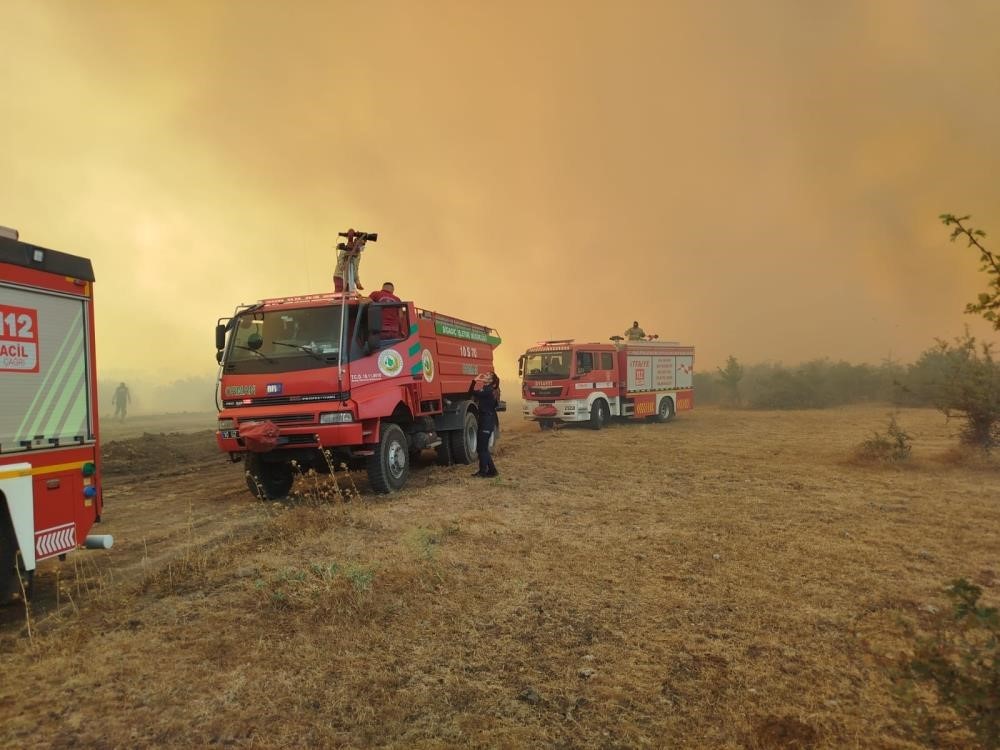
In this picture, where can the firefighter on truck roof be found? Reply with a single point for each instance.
(635, 333)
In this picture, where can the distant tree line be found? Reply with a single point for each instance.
(824, 383)
(817, 384)
(960, 378)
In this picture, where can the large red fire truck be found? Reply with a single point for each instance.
(50, 492)
(372, 383)
(563, 381)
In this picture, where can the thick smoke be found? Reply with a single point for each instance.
(756, 179)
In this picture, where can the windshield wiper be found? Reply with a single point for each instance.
(306, 349)
(248, 349)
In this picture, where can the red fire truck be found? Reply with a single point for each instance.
(564, 381)
(373, 383)
(50, 492)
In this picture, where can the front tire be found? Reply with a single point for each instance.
(389, 467)
(463, 442)
(268, 480)
(599, 414)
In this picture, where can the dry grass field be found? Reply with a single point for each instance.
(728, 580)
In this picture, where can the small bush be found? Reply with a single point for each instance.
(962, 379)
(960, 661)
(888, 447)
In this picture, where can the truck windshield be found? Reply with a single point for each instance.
(547, 365)
(294, 339)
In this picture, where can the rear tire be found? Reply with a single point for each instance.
(274, 479)
(599, 414)
(666, 411)
(8, 559)
(463, 442)
(389, 467)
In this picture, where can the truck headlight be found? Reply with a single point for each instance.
(227, 424)
(335, 417)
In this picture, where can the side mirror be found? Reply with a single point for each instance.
(220, 337)
(520, 366)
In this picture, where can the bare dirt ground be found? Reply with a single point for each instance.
(732, 579)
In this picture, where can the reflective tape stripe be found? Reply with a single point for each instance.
(38, 470)
(49, 542)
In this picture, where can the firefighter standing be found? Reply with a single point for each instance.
(487, 398)
(345, 276)
(122, 399)
(635, 333)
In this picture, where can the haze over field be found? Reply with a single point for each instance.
(756, 179)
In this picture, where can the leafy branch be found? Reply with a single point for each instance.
(987, 304)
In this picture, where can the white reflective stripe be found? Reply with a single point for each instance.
(21, 504)
(583, 386)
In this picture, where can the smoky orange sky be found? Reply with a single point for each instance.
(755, 178)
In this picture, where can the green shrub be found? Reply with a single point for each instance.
(960, 661)
(962, 379)
(888, 447)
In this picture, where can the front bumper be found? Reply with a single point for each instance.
(351, 435)
(562, 410)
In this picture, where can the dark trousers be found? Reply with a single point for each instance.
(483, 449)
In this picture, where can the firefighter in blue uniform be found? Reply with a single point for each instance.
(487, 398)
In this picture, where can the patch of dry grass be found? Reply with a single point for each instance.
(725, 580)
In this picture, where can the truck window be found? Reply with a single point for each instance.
(607, 361)
(546, 365)
(286, 340)
(45, 396)
(395, 325)
(584, 362)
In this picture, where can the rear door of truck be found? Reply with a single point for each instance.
(45, 404)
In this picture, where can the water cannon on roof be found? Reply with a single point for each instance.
(355, 238)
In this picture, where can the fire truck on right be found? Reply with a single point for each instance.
(563, 381)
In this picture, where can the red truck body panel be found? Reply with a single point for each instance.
(50, 465)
